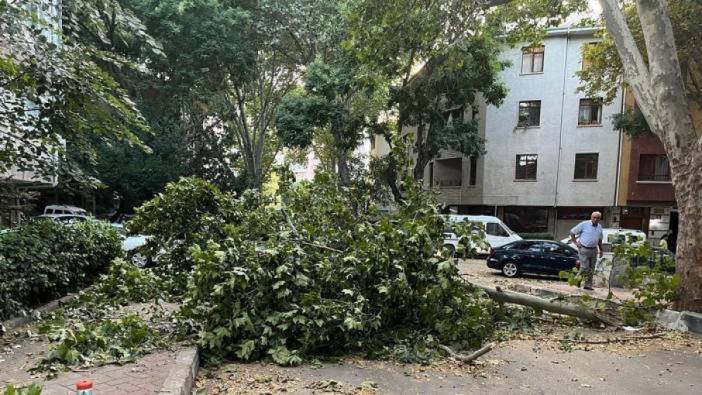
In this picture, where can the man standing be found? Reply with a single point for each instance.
(589, 240)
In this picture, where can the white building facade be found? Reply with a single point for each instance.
(552, 152)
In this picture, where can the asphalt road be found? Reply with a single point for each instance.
(517, 366)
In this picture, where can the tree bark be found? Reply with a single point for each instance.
(659, 91)
(343, 169)
(554, 306)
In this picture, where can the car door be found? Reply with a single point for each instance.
(557, 257)
(496, 235)
(527, 256)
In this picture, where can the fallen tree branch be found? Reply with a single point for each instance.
(301, 241)
(467, 358)
(554, 306)
(307, 243)
(619, 339)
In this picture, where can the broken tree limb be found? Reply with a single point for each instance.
(467, 358)
(554, 306)
(619, 339)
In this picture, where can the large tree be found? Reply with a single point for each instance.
(657, 82)
(394, 38)
(335, 101)
(55, 87)
(230, 63)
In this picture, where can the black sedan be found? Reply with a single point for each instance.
(532, 256)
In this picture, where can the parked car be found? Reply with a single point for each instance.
(57, 209)
(497, 233)
(533, 256)
(131, 245)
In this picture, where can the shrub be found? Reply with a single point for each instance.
(43, 260)
(322, 272)
(650, 274)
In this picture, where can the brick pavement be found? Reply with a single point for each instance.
(146, 376)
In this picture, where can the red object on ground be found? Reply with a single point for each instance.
(84, 385)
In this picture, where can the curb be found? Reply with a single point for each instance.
(682, 321)
(181, 377)
(16, 322)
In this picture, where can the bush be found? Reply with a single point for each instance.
(536, 236)
(322, 272)
(44, 260)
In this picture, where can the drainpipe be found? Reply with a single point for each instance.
(619, 153)
(560, 131)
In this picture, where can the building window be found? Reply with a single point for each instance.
(448, 172)
(590, 112)
(529, 113)
(532, 60)
(526, 167)
(524, 219)
(453, 115)
(473, 170)
(654, 168)
(586, 166)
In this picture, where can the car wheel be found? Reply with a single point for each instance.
(510, 269)
(139, 260)
(450, 249)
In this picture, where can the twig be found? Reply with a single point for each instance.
(619, 339)
(322, 246)
(290, 223)
(467, 358)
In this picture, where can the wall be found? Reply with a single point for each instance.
(647, 191)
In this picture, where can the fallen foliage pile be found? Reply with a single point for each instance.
(317, 271)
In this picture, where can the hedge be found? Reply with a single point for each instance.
(44, 260)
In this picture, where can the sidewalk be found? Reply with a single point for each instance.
(160, 372)
(476, 270)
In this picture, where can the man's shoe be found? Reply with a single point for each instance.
(589, 288)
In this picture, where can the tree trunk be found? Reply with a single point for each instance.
(343, 167)
(419, 146)
(342, 160)
(423, 159)
(608, 316)
(661, 96)
(687, 179)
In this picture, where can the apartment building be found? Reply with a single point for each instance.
(552, 153)
(645, 194)
(17, 180)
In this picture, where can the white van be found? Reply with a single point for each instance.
(497, 233)
(55, 209)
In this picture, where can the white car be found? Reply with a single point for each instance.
(131, 245)
(616, 236)
(497, 233)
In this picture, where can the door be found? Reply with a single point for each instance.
(529, 256)
(496, 235)
(557, 258)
